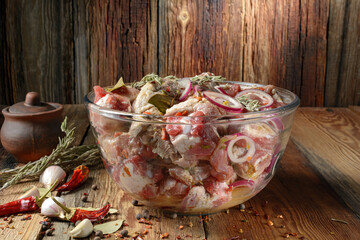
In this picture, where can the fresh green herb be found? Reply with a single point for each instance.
(198, 79)
(201, 79)
(161, 102)
(152, 77)
(338, 220)
(63, 155)
(250, 104)
(118, 85)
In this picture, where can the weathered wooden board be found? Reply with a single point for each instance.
(297, 192)
(330, 139)
(39, 43)
(63, 48)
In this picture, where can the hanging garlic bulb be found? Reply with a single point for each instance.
(51, 174)
(50, 209)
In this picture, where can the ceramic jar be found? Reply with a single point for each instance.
(32, 128)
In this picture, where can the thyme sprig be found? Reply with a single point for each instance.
(198, 79)
(201, 79)
(63, 155)
(152, 77)
(250, 104)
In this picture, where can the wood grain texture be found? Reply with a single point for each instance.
(39, 40)
(330, 139)
(122, 40)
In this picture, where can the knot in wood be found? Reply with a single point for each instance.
(184, 17)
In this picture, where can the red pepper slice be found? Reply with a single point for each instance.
(81, 173)
(93, 216)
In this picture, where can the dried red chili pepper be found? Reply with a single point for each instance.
(93, 216)
(76, 214)
(23, 205)
(81, 173)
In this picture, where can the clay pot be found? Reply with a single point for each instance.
(32, 128)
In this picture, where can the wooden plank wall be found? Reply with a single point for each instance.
(63, 48)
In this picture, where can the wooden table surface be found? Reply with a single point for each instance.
(317, 180)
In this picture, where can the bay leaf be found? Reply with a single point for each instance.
(118, 85)
(109, 227)
(161, 102)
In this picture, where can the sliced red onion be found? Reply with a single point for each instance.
(273, 159)
(221, 90)
(259, 95)
(250, 145)
(277, 123)
(185, 84)
(197, 88)
(242, 183)
(224, 101)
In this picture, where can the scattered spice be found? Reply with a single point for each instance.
(181, 227)
(280, 216)
(165, 235)
(173, 215)
(143, 220)
(124, 233)
(293, 234)
(27, 217)
(243, 220)
(339, 221)
(178, 237)
(99, 233)
(242, 206)
(49, 232)
(241, 231)
(146, 214)
(145, 232)
(286, 236)
(191, 224)
(332, 233)
(148, 227)
(270, 223)
(227, 211)
(135, 202)
(139, 216)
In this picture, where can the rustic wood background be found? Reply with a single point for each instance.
(63, 48)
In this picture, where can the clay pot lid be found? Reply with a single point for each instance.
(32, 104)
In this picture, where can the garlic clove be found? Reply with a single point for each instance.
(51, 174)
(34, 191)
(50, 209)
(83, 229)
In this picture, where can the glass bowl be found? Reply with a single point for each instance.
(192, 173)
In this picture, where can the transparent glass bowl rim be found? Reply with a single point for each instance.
(248, 116)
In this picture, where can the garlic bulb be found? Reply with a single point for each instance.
(51, 174)
(34, 191)
(50, 209)
(83, 229)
